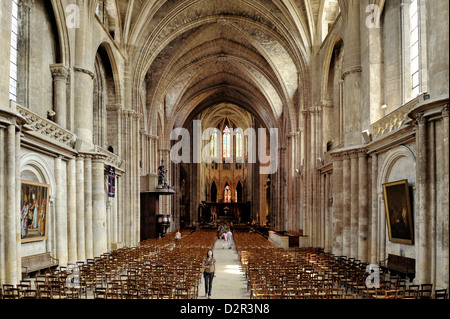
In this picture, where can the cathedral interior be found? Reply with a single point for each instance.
(324, 118)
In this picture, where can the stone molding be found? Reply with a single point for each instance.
(85, 71)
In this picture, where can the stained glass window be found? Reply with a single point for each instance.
(239, 145)
(213, 144)
(226, 142)
(227, 194)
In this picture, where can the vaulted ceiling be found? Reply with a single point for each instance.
(194, 54)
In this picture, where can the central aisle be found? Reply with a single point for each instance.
(229, 282)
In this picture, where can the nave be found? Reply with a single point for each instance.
(253, 268)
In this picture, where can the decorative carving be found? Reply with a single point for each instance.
(46, 128)
(59, 72)
(111, 159)
(420, 118)
(392, 121)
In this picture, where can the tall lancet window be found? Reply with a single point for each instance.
(226, 142)
(227, 194)
(14, 51)
(239, 145)
(415, 46)
(214, 144)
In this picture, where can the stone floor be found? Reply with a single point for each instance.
(229, 282)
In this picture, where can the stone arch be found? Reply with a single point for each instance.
(34, 166)
(387, 171)
(396, 165)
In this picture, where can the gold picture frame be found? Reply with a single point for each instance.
(33, 211)
(399, 217)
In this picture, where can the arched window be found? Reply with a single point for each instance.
(239, 145)
(214, 144)
(414, 46)
(13, 55)
(226, 142)
(227, 194)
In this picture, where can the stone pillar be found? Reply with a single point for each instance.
(423, 273)
(60, 75)
(98, 206)
(374, 212)
(352, 73)
(346, 199)
(363, 192)
(89, 250)
(83, 85)
(11, 257)
(72, 209)
(337, 229)
(354, 205)
(61, 213)
(2, 207)
(445, 199)
(79, 175)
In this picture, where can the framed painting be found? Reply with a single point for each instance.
(33, 211)
(398, 212)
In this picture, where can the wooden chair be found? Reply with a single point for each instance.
(100, 293)
(44, 292)
(426, 291)
(411, 294)
(440, 294)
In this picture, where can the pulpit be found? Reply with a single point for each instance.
(154, 223)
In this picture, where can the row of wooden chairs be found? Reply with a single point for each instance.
(157, 268)
(310, 273)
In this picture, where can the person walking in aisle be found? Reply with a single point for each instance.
(230, 239)
(225, 239)
(209, 265)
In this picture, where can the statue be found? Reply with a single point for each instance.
(162, 180)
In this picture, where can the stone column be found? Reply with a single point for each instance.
(337, 206)
(61, 213)
(2, 207)
(89, 250)
(81, 244)
(72, 209)
(346, 217)
(445, 198)
(363, 207)
(83, 85)
(352, 73)
(98, 206)
(60, 74)
(423, 273)
(354, 205)
(374, 212)
(11, 257)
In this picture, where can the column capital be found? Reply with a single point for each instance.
(59, 72)
(420, 119)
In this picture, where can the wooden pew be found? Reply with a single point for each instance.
(38, 262)
(400, 265)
